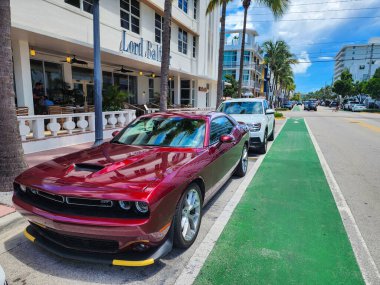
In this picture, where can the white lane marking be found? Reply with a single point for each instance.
(366, 263)
(191, 270)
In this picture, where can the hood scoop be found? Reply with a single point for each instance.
(87, 167)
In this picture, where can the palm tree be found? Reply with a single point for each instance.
(278, 8)
(212, 5)
(11, 152)
(165, 59)
(279, 58)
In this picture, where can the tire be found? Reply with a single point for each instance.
(263, 148)
(271, 137)
(182, 216)
(242, 167)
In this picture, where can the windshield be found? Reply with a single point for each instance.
(161, 131)
(241, 108)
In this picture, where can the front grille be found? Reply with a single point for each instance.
(76, 206)
(79, 243)
(253, 141)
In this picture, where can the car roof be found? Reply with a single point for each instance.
(246, 100)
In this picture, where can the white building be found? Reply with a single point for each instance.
(361, 60)
(253, 69)
(47, 34)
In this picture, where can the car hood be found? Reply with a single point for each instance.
(248, 118)
(108, 167)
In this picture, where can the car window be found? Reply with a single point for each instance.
(241, 107)
(162, 131)
(266, 106)
(219, 126)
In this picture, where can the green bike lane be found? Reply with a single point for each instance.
(286, 229)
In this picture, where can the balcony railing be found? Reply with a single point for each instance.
(45, 126)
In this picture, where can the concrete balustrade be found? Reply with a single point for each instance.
(43, 126)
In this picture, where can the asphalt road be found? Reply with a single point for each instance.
(26, 263)
(350, 143)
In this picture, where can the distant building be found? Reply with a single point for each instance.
(253, 70)
(361, 60)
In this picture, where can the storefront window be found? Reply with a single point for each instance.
(50, 75)
(37, 70)
(128, 84)
(185, 92)
(151, 90)
(53, 81)
(107, 79)
(80, 73)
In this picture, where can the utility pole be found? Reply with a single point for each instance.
(97, 77)
(370, 62)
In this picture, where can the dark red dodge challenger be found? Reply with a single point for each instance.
(127, 201)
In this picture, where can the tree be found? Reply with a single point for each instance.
(230, 91)
(212, 5)
(296, 97)
(344, 86)
(165, 58)
(373, 87)
(278, 8)
(377, 73)
(11, 153)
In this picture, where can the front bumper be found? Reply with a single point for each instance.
(35, 234)
(256, 139)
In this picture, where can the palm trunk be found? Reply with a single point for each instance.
(219, 89)
(165, 60)
(11, 152)
(246, 4)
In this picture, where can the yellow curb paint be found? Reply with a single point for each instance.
(132, 263)
(29, 236)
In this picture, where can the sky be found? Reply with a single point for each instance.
(313, 42)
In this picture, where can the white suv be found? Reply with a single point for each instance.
(257, 115)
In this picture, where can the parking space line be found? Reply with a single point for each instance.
(365, 261)
(191, 270)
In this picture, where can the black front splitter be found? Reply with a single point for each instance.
(130, 258)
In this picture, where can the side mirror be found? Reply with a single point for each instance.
(269, 112)
(115, 133)
(226, 139)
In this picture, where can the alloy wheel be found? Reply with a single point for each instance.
(190, 218)
(244, 159)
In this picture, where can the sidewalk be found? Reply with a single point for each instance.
(286, 228)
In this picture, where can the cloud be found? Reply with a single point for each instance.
(302, 67)
(325, 57)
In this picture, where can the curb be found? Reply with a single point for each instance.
(10, 222)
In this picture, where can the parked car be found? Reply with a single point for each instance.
(351, 104)
(299, 103)
(258, 117)
(333, 104)
(310, 105)
(358, 107)
(127, 201)
(288, 105)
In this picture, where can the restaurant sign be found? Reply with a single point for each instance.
(143, 48)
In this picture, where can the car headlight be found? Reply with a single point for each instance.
(23, 188)
(254, 127)
(142, 207)
(125, 205)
